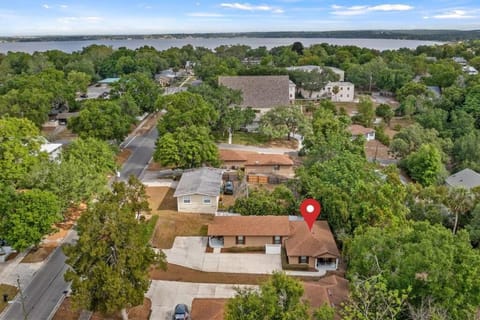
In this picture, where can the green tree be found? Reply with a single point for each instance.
(325, 312)
(427, 258)
(466, 151)
(186, 147)
(79, 80)
(473, 227)
(110, 261)
(425, 165)
(280, 201)
(370, 299)
(366, 112)
(459, 201)
(19, 149)
(141, 88)
(183, 110)
(412, 89)
(386, 112)
(98, 154)
(102, 120)
(281, 121)
(278, 299)
(313, 80)
(27, 216)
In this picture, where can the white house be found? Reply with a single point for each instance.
(199, 190)
(358, 130)
(292, 88)
(53, 150)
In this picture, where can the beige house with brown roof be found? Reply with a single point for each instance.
(316, 248)
(232, 159)
(261, 92)
(358, 130)
(269, 164)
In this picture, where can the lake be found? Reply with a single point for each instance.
(210, 43)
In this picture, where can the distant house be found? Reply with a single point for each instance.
(232, 159)
(470, 70)
(108, 81)
(260, 92)
(52, 149)
(199, 190)
(269, 164)
(358, 130)
(316, 249)
(340, 91)
(331, 290)
(173, 90)
(467, 178)
(292, 89)
(167, 77)
(460, 60)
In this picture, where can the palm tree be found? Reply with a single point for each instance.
(459, 201)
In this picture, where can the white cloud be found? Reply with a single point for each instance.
(46, 6)
(454, 14)
(63, 6)
(249, 7)
(69, 20)
(358, 10)
(204, 14)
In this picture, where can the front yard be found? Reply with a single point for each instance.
(172, 223)
(256, 139)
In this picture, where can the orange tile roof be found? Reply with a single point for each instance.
(208, 308)
(318, 242)
(261, 159)
(249, 226)
(357, 129)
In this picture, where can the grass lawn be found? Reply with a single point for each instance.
(6, 289)
(246, 138)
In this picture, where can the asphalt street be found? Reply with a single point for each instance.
(47, 287)
(142, 150)
(44, 291)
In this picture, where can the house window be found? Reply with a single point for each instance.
(277, 240)
(303, 259)
(207, 200)
(240, 240)
(348, 88)
(186, 200)
(276, 167)
(341, 88)
(348, 95)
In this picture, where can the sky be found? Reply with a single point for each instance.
(74, 17)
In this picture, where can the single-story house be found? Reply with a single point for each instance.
(248, 231)
(467, 178)
(331, 290)
(199, 190)
(108, 81)
(232, 159)
(316, 248)
(260, 92)
(358, 130)
(269, 164)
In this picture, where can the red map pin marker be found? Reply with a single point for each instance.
(310, 210)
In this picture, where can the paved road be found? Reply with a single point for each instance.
(142, 150)
(44, 291)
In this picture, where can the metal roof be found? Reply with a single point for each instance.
(467, 178)
(204, 181)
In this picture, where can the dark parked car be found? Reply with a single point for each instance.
(181, 312)
(228, 187)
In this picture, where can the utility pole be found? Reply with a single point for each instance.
(22, 298)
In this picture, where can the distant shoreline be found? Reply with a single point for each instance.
(428, 35)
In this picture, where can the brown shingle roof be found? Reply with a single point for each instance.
(357, 130)
(232, 155)
(249, 226)
(318, 242)
(260, 159)
(332, 290)
(208, 308)
(260, 91)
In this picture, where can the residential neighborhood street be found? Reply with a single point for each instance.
(44, 292)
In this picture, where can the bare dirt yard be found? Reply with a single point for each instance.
(172, 223)
(66, 312)
(11, 291)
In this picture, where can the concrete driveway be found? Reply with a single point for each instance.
(190, 252)
(166, 294)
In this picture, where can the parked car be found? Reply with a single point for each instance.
(228, 187)
(181, 312)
